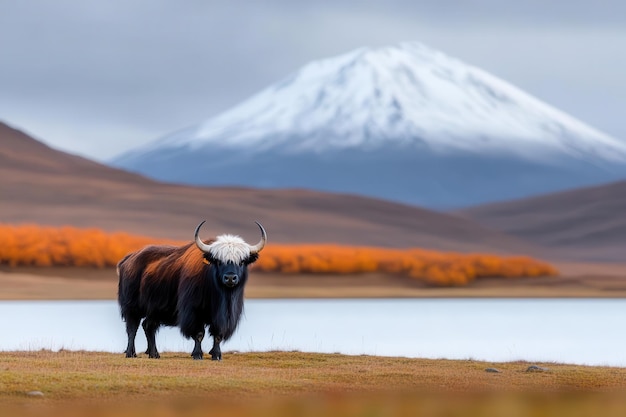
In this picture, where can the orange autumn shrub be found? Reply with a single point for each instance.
(31, 245)
(34, 245)
(437, 268)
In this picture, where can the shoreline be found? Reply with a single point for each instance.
(578, 281)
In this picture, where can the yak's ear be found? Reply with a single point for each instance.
(209, 259)
(252, 258)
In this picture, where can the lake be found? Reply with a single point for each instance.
(579, 331)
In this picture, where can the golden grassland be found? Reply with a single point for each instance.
(33, 245)
(295, 383)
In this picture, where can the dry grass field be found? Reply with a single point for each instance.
(294, 383)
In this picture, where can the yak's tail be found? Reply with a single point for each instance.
(122, 290)
(117, 267)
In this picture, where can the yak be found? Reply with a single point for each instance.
(193, 286)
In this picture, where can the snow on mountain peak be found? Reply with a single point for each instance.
(407, 94)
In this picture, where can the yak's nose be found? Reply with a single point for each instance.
(230, 280)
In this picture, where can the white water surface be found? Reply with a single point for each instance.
(579, 331)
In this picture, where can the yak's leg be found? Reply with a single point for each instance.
(216, 352)
(197, 348)
(146, 333)
(192, 328)
(147, 352)
(132, 324)
(150, 327)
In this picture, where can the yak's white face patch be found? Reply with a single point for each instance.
(229, 248)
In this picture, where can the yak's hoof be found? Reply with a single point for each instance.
(131, 355)
(216, 356)
(197, 356)
(154, 355)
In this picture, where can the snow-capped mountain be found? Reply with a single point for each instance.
(405, 123)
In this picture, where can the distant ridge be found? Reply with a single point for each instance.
(585, 223)
(21, 153)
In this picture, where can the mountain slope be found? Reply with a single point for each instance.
(406, 123)
(587, 223)
(41, 185)
(20, 153)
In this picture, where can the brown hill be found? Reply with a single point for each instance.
(41, 185)
(587, 223)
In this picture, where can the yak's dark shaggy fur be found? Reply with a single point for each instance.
(186, 287)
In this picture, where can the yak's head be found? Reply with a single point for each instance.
(230, 256)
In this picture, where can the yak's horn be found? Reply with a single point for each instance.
(201, 245)
(259, 246)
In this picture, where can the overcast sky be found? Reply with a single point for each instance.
(100, 77)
